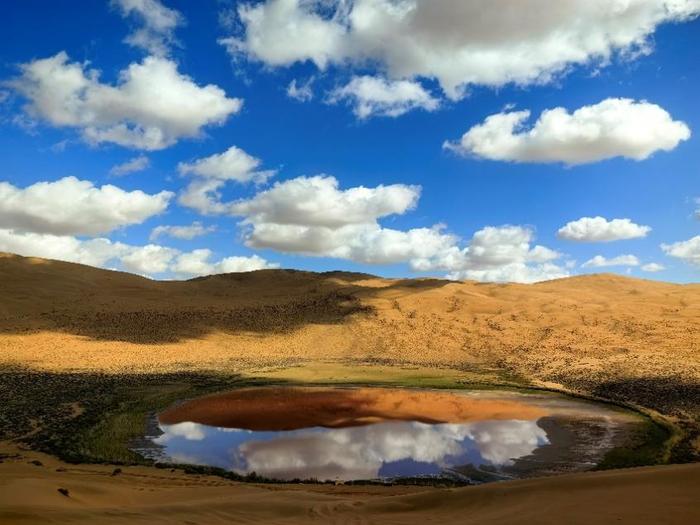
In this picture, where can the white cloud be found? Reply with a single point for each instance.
(204, 196)
(365, 243)
(151, 107)
(602, 262)
(98, 252)
(196, 263)
(233, 164)
(74, 207)
(94, 252)
(196, 229)
(149, 259)
(158, 24)
(282, 32)
(459, 43)
(301, 92)
(132, 165)
(615, 127)
(599, 229)
(211, 173)
(653, 267)
(145, 260)
(317, 201)
(687, 251)
(374, 96)
(312, 216)
(501, 254)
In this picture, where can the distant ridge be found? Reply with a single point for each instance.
(9, 258)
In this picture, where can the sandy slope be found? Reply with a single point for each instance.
(624, 339)
(29, 494)
(112, 320)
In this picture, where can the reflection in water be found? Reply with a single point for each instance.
(389, 449)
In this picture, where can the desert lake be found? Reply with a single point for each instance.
(343, 434)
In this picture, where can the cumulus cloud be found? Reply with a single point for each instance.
(196, 229)
(132, 165)
(213, 172)
(151, 107)
(151, 259)
(602, 262)
(197, 263)
(318, 201)
(459, 43)
(687, 251)
(76, 207)
(374, 96)
(233, 164)
(94, 252)
(499, 254)
(615, 127)
(365, 243)
(100, 252)
(653, 267)
(300, 92)
(158, 24)
(313, 216)
(599, 229)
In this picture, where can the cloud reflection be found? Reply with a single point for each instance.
(358, 452)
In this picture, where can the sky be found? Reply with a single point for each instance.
(507, 141)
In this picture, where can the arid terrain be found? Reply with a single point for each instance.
(79, 343)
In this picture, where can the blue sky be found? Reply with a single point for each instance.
(489, 208)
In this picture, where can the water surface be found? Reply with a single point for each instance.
(377, 433)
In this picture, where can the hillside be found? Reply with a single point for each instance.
(651, 326)
(619, 338)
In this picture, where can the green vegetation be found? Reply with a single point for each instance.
(95, 418)
(646, 445)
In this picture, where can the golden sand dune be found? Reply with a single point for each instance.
(592, 324)
(29, 494)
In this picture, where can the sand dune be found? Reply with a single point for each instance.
(29, 494)
(581, 321)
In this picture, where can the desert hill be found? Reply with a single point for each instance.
(582, 319)
(607, 335)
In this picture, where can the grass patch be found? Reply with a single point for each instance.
(645, 446)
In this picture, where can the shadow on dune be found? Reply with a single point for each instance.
(52, 296)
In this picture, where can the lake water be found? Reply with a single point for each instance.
(377, 433)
